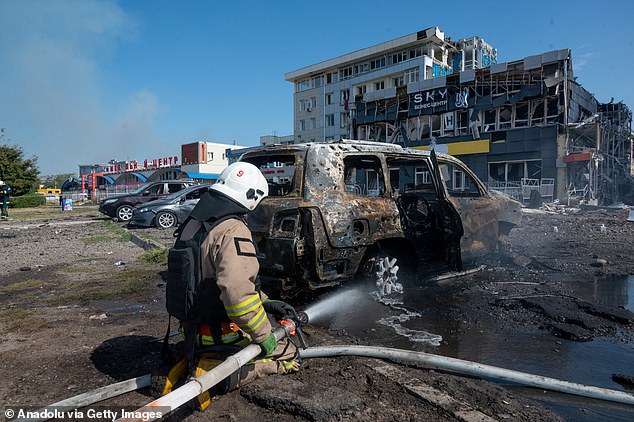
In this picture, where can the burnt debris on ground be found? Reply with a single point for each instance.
(71, 321)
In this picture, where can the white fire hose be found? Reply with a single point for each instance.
(199, 385)
(196, 386)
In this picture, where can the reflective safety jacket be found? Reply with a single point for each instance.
(229, 262)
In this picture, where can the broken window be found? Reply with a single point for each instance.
(448, 123)
(279, 171)
(363, 176)
(411, 175)
(537, 112)
(552, 110)
(506, 113)
(489, 120)
(515, 171)
(521, 114)
(436, 123)
(458, 180)
(462, 122)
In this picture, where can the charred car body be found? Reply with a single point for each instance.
(348, 208)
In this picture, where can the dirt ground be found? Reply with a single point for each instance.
(81, 307)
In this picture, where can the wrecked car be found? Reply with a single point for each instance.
(347, 209)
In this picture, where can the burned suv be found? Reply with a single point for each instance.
(349, 208)
(120, 206)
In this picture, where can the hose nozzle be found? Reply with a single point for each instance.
(302, 318)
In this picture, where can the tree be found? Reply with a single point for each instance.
(19, 173)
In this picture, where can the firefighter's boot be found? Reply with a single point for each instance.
(205, 364)
(164, 379)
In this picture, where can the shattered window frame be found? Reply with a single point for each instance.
(280, 172)
(357, 170)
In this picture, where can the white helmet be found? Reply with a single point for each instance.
(244, 183)
(1, 183)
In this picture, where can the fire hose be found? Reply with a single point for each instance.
(196, 386)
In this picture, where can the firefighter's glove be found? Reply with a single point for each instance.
(268, 345)
(279, 309)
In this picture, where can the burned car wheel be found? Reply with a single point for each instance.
(383, 269)
(165, 220)
(124, 213)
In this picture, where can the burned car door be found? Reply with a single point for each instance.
(370, 213)
(427, 218)
(475, 206)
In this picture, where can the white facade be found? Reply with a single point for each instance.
(326, 92)
(205, 158)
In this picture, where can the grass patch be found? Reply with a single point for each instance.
(124, 282)
(21, 320)
(52, 212)
(122, 235)
(155, 256)
(29, 284)
(115, 233)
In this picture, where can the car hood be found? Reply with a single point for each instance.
(157, 203)
(115, 197)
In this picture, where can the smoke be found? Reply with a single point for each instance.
(54, 105)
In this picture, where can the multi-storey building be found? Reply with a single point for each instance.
(326, 93)
(521, 126)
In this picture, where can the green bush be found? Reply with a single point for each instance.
(27, 201)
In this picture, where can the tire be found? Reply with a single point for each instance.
(166, 220)
(124, 213)
(384, 268)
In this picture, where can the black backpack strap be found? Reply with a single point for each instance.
(166, 354)
(190, 330)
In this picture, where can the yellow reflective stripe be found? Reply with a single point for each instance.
(244, 307)
(288, 364)
(257, 320)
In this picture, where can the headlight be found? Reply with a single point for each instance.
(108, 201)
(141, 210)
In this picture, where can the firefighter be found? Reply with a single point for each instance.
(5, 191)
(230, 264)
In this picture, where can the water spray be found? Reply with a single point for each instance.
(332, 304)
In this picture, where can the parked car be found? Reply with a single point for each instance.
(170, 211)
(336, 211)
(120, 206)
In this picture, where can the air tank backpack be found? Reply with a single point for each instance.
(187, 297)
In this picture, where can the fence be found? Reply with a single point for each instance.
(522, 190)
(512, 189)
(102, 193)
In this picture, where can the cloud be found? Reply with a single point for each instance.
(51, 59)
(581, 58)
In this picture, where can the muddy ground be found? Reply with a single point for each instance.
(81, 306)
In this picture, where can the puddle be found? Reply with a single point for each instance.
(610, 291)
(417, 322)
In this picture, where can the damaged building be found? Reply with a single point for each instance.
(521, 126)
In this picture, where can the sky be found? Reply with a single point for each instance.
(85, 82)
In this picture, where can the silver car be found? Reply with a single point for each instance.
(170, 211)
